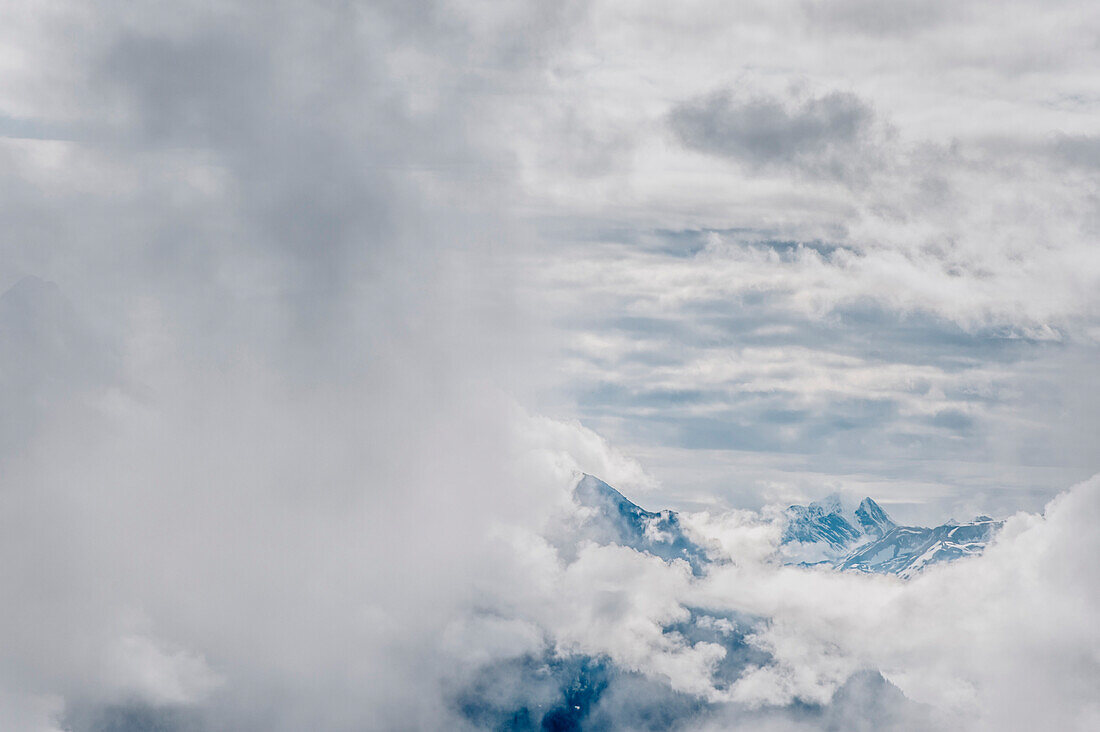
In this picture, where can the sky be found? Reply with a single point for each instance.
(833, 244)
(311, 313)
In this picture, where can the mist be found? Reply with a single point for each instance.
(313, 315)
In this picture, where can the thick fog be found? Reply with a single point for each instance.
(312, 314)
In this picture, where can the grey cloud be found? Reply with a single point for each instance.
(50, 360)
(1078, 150)
(134, 717)
(830, 136)
(904, 17)
(209, 89)
(315, 194)
(291, 265)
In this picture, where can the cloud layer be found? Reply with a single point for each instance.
(287, 287)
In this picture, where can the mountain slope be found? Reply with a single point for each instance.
(832, 532)
(617, 520)
(830, 528)
(906, 550)
(868, 540)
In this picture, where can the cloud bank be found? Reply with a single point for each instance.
(287, 289)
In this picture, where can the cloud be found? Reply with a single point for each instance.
(1027, 588)
(252, 415)
(50, 359)
(984, 642)
(140, 666)
(729, 341)
(1078, 150)
(277, 274)
(901, 18)
(827, 136)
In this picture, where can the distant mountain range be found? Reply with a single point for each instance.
(830, 532)
(867, 539)
(555, 690)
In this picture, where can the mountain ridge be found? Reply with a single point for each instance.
(821, 533)
(832, 532)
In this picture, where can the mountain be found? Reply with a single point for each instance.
(833, 527)
(833, 532)
(868, 540)
(558, 689)
(614, 519)
(906, 550)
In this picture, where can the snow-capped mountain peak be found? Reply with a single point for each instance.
(834, 532)
(870, 541)
(872, 518)
(828, 529)
(615, 519)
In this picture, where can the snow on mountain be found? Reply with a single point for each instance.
(549, 689)
(868, 540)
(834, 532)
(614, 519)
(872, 519)
(906, 550)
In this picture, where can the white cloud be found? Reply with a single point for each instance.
(985, 642)
(1000, 640)
(306, 256)
(143, 668)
